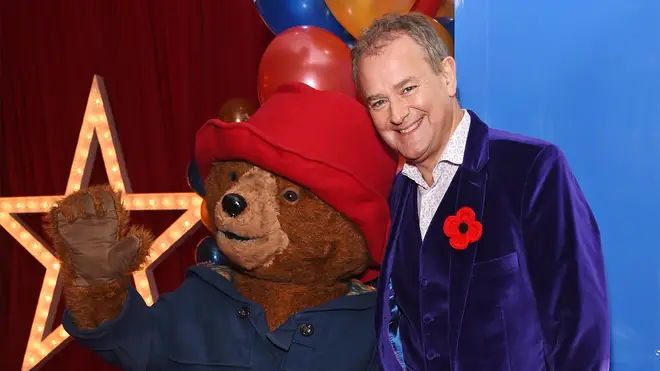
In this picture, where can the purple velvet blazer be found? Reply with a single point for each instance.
(531, 294)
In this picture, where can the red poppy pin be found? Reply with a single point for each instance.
(462, 228)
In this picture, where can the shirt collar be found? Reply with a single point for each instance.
(453, 153)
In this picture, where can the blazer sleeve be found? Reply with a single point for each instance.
(565, 265)
(131, 341)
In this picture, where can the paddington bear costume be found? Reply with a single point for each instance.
(324, 142)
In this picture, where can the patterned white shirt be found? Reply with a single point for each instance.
(430, 197)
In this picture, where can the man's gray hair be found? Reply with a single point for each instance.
(392, 26)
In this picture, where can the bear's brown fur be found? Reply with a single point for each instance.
(323, 250)
(93, 305)
(301, 251)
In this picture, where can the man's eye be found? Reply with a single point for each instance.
(377, 103)
(408, 89)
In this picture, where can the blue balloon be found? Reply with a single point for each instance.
(207, 251)
(448, 24)
(195, 180)
(283, 14)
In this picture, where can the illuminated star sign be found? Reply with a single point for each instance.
(97, 132)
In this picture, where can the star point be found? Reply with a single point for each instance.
(97, 132)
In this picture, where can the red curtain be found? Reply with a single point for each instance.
(167, 66)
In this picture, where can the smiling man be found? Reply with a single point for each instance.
(494, 259)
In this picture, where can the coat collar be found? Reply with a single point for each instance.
(477, 146)
(220, 277)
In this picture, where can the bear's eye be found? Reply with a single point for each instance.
(232, 176)
(291, 195)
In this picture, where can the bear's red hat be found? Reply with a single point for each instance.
(322, 140)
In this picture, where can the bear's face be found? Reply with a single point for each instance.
(274, 229)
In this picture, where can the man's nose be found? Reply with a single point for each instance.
(398, 111)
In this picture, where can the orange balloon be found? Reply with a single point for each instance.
(306, 54)
(356, 15)
(446, 10)
(206, 219)
(236, 110)
(443, 33)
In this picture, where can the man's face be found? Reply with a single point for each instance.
(412, 106)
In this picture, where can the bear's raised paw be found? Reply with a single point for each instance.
(90, 232)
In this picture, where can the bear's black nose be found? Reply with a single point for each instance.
(233, 204)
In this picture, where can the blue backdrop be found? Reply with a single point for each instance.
(585, 75)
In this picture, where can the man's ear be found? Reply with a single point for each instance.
(448, 72)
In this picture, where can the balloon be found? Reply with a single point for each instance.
(284, 14)
(443, 33)
(195, 181)
(207, 251)
(356, 15)
(448, 24)
(206, 219)
(236, 110)
(306, 54)
(446, 10)
(428, 7)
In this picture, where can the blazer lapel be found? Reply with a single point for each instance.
(471, 193)
(400, 193)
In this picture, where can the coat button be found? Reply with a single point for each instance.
(244, 312)
(306, 329)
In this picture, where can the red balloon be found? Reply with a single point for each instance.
(306, 54)
(428, 7)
